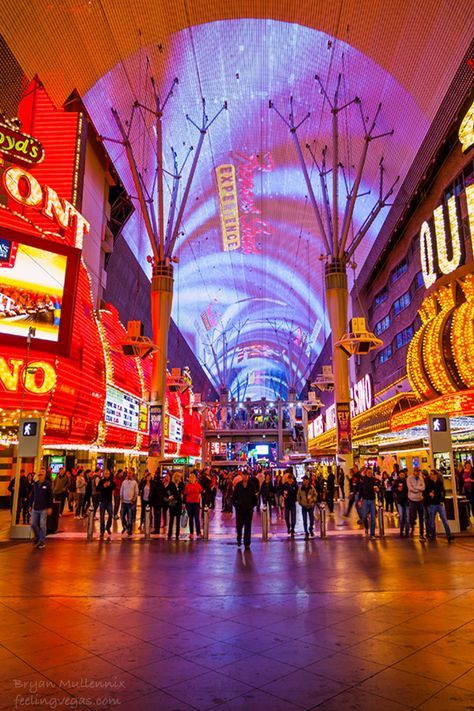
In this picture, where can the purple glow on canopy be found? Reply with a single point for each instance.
(270, 303)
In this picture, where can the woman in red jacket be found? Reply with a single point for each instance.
(192, 498)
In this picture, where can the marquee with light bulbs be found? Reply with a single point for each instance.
(73, 371)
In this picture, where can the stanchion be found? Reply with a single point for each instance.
(205, 534)
(381, 520)
(322, 520)
(147, 523)
(90, 524)
(265, 523)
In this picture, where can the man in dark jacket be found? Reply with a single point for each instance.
(157, 501)
(105, 489)
(330, 489)
(290, 493)
(400, 495)
(435, 495)
(42, 505)
(244, 499)
(368, 494)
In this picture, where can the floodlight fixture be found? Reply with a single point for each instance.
(359, 341)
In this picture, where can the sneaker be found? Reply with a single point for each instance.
(40, 545)
(372, 538)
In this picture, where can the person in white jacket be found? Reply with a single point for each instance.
(128, 497)
(416, 487)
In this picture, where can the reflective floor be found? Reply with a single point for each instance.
(340, 624)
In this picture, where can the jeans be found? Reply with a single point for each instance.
(175, 514)
(330, 501)
(243, 521)
(127, 516)
(157, 518)
(429, 529)
(416, 507)
(38, 524)
(105, 506)
(308, 513)
(25, 510)
(368, 507)
(388, 496)
(62, 500)
(433, 510)
(142, 511)
(403, 519)
(470, 496)
(290, 517)
(81, 504)
(193, 513)
(353, 499)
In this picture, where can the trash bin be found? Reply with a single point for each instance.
(52, 522)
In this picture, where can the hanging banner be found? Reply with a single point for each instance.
(343, 421)
(156, 416)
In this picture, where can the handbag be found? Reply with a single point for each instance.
(184, 518)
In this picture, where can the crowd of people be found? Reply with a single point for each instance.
(174, 503)
(418, 497)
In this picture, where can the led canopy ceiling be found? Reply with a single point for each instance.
(249, 286)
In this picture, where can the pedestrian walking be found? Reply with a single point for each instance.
(41, 507)
(244, 499)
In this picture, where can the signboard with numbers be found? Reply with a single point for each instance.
(122, 409)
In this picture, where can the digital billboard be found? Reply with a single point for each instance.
(250, 298)
(125, 410)
(37, 289)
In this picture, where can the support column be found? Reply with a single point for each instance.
(337, 298)
(161, 302)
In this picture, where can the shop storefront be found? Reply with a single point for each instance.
(61, 358)
(439, 368)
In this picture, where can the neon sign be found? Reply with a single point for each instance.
(23, 187)
(227, 186)
(19, 147)
(38, 377)
(362, 395)
(444, 254)
(252, 226)
(466, 130)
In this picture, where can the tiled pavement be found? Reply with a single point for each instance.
(343, 624)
